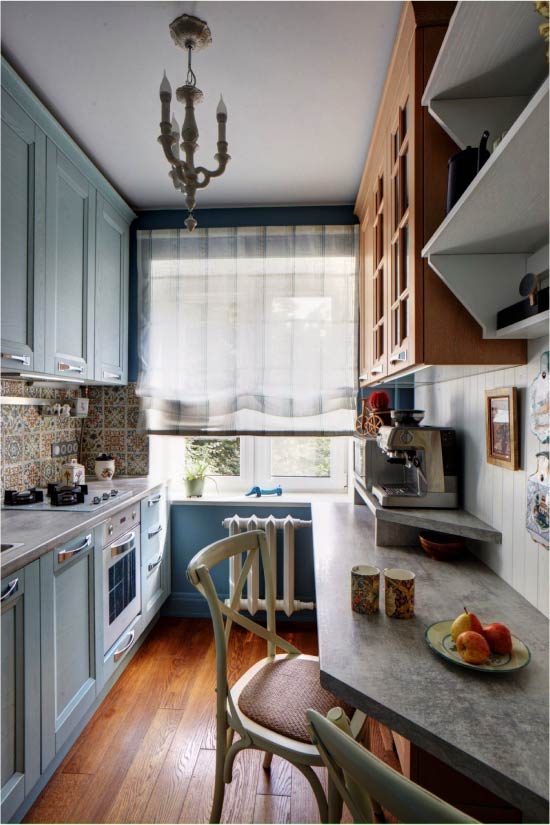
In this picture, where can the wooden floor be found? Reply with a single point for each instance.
(147, 755)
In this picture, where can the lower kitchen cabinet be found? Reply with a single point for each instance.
(67, 640)
(155, 554)
(20, 686)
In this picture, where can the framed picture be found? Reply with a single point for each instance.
(501, 425)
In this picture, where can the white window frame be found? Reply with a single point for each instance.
(255, 454)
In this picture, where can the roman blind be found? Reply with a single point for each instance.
(248, 330)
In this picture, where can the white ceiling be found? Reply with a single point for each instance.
(301, 81)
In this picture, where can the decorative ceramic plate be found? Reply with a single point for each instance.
(438, 637)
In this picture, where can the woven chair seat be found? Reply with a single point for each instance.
(278, 696)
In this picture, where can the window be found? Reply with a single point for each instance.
(298, 464)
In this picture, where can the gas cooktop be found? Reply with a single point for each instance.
(81, 498)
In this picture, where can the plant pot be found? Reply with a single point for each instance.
(194, 488)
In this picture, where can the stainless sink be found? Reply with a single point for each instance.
(8, 546)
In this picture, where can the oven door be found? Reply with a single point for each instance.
(121, 586)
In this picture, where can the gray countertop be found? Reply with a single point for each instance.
(492, 728)
(41, 531)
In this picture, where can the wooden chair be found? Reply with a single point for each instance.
(364, 782)
(267, 705)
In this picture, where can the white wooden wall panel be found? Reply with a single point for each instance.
(493, 494)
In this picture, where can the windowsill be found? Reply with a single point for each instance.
(177, 496)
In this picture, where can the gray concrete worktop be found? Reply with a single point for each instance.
(492, 728)
(42, 531)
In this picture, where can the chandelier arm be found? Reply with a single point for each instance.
(166, 142)
(214, 173)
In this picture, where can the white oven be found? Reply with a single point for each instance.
(121, 585)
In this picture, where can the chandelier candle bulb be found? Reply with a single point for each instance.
(165, 98)
(221, 115)
(176, 132)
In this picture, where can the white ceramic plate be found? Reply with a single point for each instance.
(438, 637)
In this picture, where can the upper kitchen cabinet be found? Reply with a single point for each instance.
(70, 270)
(23, 225)
(409, 318)
(65, 249)
(111, 290)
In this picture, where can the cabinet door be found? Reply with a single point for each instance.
(111, 301)
(374, 230)
(404, 281)
(20, 687)
(67, 639)
(70, 274)
(23, 210)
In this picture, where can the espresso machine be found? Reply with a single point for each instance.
(423, 462)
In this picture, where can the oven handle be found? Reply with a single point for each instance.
(63, 555)
(118, 654)
(128, 544)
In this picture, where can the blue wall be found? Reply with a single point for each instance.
(207, 218)
(193, 526)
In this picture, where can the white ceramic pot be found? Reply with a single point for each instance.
(104, 468)
(72, 472)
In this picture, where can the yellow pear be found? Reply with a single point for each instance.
(466, 621)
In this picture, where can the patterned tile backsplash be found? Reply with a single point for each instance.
(112, 426)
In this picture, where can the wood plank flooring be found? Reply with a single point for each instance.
(147, 755)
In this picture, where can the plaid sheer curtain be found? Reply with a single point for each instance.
(249, 330)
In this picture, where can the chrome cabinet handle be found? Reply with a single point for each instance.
(63, 555)
(63, 367)
(155, 500)
(127, 544)
(396, 359)
(12, 588)
(118, 654)
(154, 563)
(376, 370)
(152, 533)
(115, 375)
(22, 359)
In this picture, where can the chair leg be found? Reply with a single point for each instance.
(317, 789)
(268, 757)
(335, 803)
(219, 785)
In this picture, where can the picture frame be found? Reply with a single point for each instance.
(501, 427)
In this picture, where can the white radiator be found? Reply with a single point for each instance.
(253, 602)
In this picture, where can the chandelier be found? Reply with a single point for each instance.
(192, 34)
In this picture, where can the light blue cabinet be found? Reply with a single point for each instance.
(111, 295)
(70, 267)
(20, 687)
(65, 249)
(23, 225)
(67, 609)
(155, 554)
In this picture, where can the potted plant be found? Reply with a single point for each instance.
(194, 480)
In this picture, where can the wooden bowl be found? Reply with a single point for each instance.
(441, 546)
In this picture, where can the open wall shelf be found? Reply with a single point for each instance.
(484, 246)
(491, 62)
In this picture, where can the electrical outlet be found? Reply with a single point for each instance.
(60, 449)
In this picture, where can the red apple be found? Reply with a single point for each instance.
(498, 637)
(472, 647)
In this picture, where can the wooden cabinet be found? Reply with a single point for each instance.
(408, 316)
(67, 608)
(23, 224)
(20, 687)
(111, 295)
(65, 250)
(70, 273)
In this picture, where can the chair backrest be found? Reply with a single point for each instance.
(254, 545)
(361, 777)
